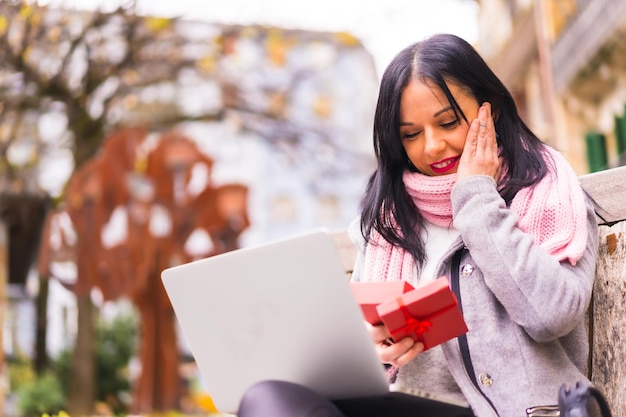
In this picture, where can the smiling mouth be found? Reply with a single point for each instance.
(445, 165)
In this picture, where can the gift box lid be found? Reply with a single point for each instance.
(428, 298)
(370, 294)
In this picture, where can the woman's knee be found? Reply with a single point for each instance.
(285, 399)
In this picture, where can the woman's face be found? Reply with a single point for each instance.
(432, 135)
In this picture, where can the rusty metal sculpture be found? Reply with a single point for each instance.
(134, 207)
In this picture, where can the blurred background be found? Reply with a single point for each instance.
(138, 135)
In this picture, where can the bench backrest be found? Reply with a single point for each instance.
(607, 315)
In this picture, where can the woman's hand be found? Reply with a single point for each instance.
(480, 154)
(397, 354)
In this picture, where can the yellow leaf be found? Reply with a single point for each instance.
(276, 49)
(33, 158)
(322, 107)
(130, 101)
(35, 19)
(27, 52)
(4, 25)
(26, 11)
(54, 34)
(347, 39)
(207, 63)
(156, 24)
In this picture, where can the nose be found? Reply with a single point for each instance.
(433, 143)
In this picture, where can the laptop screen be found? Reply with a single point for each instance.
(282, 310)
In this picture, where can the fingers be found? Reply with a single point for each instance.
(486, 138)
(416, 349)
(471, 140)
(400, 353)
(395, 353)
(480, 152)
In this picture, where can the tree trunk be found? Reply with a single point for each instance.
(41, 353)
(4, 268)
(82, 389)
(82, 385)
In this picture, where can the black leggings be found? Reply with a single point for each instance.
(285, 399)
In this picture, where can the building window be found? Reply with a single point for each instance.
(596, 151)
(620, 138)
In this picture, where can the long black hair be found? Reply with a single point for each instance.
(440, 59)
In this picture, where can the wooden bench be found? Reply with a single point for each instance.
(607, 314)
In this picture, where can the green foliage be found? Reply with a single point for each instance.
(62, 366)
(116, 343)
(41, 395)
(36, 395)
(20, 371)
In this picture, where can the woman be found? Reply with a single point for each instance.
(464, 190)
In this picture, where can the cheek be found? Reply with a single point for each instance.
(459, 137)
(412, 149)
(415, 154)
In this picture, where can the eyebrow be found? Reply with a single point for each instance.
(445, 109)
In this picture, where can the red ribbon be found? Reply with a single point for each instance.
(414, 325)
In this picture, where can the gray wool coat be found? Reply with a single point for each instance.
(524, 309)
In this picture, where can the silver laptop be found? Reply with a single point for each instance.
(283, 310)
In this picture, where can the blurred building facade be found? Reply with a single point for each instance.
(566, 67)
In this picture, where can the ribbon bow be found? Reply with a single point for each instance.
(412, 324)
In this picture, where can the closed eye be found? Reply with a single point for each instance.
(451, 124)
(411, 135)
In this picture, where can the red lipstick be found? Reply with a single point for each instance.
(445, 165)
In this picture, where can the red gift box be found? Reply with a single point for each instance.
(370, 294)
(429, 314)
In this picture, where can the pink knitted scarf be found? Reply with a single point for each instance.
(552, 212)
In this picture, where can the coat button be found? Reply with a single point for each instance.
(467, 270)
(485, 379)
